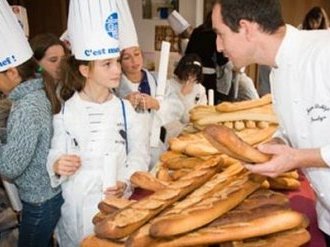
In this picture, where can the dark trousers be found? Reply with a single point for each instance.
(39, 221)
(327, 239)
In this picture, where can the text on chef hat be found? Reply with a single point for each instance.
(7, 61)
(102, 51)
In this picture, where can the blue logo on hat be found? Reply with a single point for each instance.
(111, 25)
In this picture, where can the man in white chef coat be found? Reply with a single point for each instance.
(253, 31)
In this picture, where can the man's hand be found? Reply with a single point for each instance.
(284, 158)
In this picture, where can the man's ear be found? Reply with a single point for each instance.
(13, 75)
(248, 28)
(84, 70)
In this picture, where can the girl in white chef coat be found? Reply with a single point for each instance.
(139, 86)
(95, 130)
(98, 142)
(187, 85)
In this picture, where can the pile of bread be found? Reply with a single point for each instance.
(257, 123)
(241, 115)
(202, 198)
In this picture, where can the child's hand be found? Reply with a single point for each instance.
(188, 87)
(135, 99)
(148, 102)
(67, 165)
(116, 191)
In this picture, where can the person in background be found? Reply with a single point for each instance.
(98, 143)
(139, 86)
(187, 85)
(299, 84)
(181, 28)
(49, 51)
(235, 83)
(202, 43)
(23, 156)
(316, 18)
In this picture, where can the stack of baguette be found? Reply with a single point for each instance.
(203, 195)
(188, 150)
(249, 114)
(261, 218)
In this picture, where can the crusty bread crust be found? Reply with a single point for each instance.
(226, 141)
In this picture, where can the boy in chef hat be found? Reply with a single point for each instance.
(97, 142)
(139, 86)
(23, 157)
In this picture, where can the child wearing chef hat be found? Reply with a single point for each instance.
(139, 86)
(23, 157)
(181, 27)
(97, 142)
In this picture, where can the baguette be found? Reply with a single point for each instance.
(146, 180)
(226, 141)
(101, 216)
(170, 155)
(284, 183)
(93, 241)
(264, 113)
(293, 238)
(242, 105)
(163, 174)
(178, 220)
(263, 212)
(130, 218)
(255, 136)
(183, 163)
(108, 206)
(201, 148)
(276, 221)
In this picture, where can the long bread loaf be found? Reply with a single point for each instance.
(135, 215)
(226, 141)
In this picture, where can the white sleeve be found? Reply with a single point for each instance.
(171, 107)
(58, 148)
(138, 157)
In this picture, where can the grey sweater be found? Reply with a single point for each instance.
(29, 131)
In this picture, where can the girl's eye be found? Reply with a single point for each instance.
(53, 60)
(125, 58)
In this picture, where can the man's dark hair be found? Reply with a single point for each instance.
(266, 13)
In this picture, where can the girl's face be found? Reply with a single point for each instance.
(52, 60)
(8, 80)
(105, 73)
(131, 60)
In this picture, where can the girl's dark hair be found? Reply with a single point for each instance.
(27, 71)
(189, 65)
(316, 15)
(41, 42)
(71, 78)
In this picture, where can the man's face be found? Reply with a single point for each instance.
(234, 45)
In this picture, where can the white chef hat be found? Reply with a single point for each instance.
(127, 31)
(22, 18)
(65, 38)
(15, 48)
(93, 29)
(177, 22)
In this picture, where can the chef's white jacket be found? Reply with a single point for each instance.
(300, 84)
